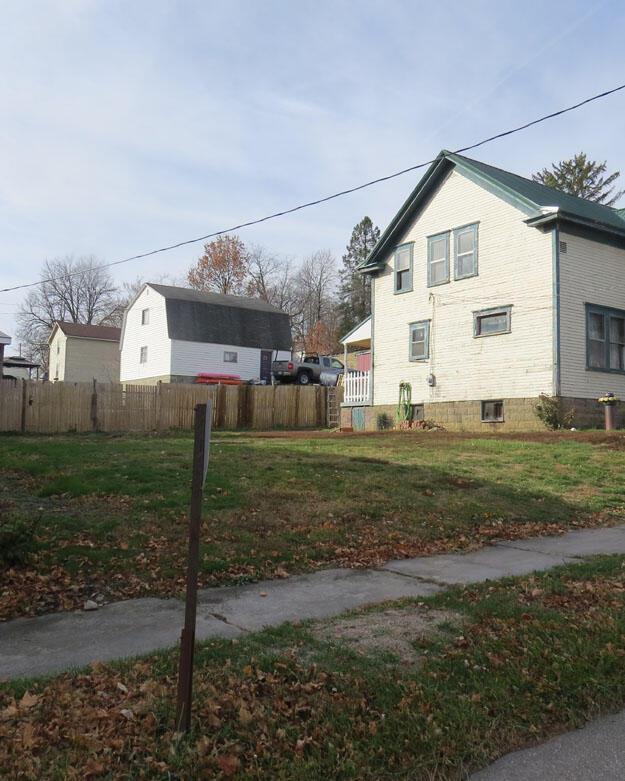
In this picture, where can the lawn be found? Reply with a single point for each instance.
(108, 513)
(507, 664)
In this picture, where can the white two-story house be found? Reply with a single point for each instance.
(172, 334)
(489, 289)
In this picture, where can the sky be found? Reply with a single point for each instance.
(125, 126)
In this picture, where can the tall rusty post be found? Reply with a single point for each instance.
(201, 446)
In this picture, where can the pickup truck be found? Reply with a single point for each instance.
(307, 369)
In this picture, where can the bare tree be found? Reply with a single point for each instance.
(271, 278)
(72, 290)
(317, 304)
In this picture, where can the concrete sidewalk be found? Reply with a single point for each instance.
(60, 641)
(594, 753)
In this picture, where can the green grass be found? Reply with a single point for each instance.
(530, 657)
(110, 511)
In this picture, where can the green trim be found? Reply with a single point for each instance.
(555, 259)
(431, 239)
(416, 324)
(399, 247)
(458, 232)
(607, 312)
(411, 207)
(494, 187)
(524, 194)
(495, 310)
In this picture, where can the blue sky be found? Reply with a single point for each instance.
(128, 125)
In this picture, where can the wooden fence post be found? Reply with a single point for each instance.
(220, 405)
(23, 416)
(94, 407)
(298, 389)
(158, 404)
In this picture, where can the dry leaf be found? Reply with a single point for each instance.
(28, 700)
(228, 764)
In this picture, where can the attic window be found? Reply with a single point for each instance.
(438, 259)
(145, 316)
(403, 268)
(465, 252)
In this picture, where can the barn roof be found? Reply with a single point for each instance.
(196, 316)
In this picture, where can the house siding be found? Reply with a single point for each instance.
(90, 359)
(515, 268)
(590, 272)
(56, 359)
(154, 336)
(190, 358)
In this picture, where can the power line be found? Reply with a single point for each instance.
(326, 198)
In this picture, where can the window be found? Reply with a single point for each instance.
(143, 355)
(336, 364)
(438, 259)
(490, 322)
(492, 411)
(231, 357)
(145, 316)
(605, 338)
(465, 252)
(403, 268)
(420, 341)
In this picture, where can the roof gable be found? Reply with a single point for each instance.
(531, 198)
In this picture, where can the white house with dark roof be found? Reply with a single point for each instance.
(82, 353)
(489, 289)
(5, 341)
(172, 334)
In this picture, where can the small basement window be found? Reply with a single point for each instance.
(143, 355)
(145, 316)
(490, 322)
(492, 411)
(231, 357)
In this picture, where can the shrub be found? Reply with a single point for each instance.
(551, 412)
(17, 541)
(384, 421)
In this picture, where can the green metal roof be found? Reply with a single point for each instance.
(530, 197)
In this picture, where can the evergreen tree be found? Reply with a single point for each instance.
(355, 288)
(582, 177)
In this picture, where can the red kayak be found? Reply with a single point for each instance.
(205, 378)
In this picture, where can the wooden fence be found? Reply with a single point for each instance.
(47, 408)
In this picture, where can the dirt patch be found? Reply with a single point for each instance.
(394, 631)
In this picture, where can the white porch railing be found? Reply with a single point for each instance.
(357, 388)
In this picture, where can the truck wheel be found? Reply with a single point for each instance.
(303, 378)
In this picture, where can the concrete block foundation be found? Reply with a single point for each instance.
(519, 415)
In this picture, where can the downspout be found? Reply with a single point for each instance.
(557, 383)
(371, 367)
